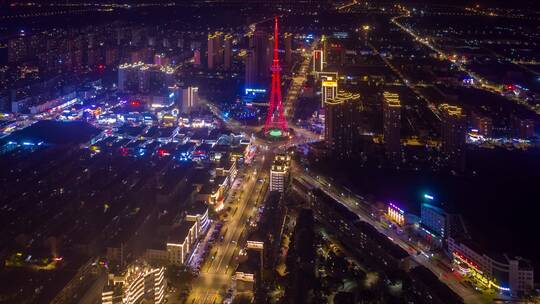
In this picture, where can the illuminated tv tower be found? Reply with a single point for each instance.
(275, 120)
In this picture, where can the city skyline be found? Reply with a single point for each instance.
(269, 152)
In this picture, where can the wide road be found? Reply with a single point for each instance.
(294, 92)
(351, 202)
(217, 271)
(480, 83)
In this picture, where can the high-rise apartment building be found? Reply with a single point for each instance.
(257, 60)
(215, 50)
(211, 51)
(227, 52)
(218, 49)
(483, 124)
(341, 123)
(288, 47)
(329, 87)
(279, 172)
(197, 58)
(318, 61)
(392, 124)
(453, 132)
(522, 128)
(17, 49)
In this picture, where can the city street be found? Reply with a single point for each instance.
(353, 204)
(216, 273)
(480, 82)
(186, 152)
(294, 92)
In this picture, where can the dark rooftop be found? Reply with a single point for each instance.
(55, 132)
(179, 233)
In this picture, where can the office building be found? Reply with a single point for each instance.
(279, 172)
(495, 271)
(434, 219)
(453, 132)
(138, 283)
(392, 125)
(227, 52)
(341, 124)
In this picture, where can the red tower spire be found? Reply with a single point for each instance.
(275, 120)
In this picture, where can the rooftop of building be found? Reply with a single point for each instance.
(157, 243)
(450, 109)
(281, 162)
(280, 167)
(392, 99)
(199, 177)
(178, 234)
(389, 247)
(436, 208)
(252, 264)
(498, 257)
(208, 189)
(197, 207)
(343, 96)
(220, 180)
(225, 161)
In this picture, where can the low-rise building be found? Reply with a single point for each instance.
(500, 272)
(137, 283)
(174, 245)
(180, 242)
(248, 273)
(198, 213)
(214, 191)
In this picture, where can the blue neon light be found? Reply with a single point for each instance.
(429, 197)
(254, 91)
